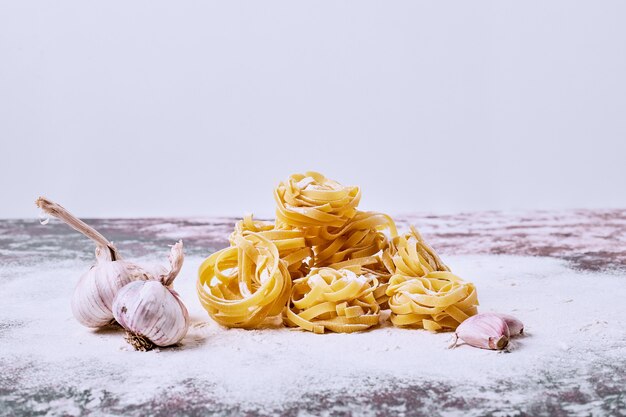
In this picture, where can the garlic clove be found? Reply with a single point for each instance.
(516, 327)
(151, 311)
(486, 331)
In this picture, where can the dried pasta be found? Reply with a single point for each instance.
(412, 256)
(436, 301)
(242, 285)
(340, 235)
(326, 265)
(359, 242)
(313, 202)
(422, 291)
(331, 299)
(292, 247)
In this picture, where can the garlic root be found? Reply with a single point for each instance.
(139, 342)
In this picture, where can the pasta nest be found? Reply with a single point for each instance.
(361, 243)
(327, 265)
(312, 201)
(436, 301)
(291, 245)
(422, 291)
(412, 256)
(242, 285)
(337, 300)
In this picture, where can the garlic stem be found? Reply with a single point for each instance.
(62, 214)
(176, 261)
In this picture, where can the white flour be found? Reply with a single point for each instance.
(571, 319)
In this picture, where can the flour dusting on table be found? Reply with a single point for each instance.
(575, 326)
(569, 294)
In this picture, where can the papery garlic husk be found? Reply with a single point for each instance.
(151, 312)
(516, 327)
(154, 270)
(486, 331)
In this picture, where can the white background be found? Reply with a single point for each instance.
(152, 108)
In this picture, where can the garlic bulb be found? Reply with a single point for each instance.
(94, 293)
(486, 331)
(93, 296)
(151, 312)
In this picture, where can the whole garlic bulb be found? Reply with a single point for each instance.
(151, 312)
(94, 293)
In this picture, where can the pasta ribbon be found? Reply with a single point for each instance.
(311, 201)
(423, 292)
(436, 301)
(337, 300)
(413, 257)
(242, 285)
(361, 243)
(292, 247)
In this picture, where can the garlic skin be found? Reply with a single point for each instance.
(149, 309)
(151, 312)
(154, 270)
(93, 296)
(485, 331)
(516, 327)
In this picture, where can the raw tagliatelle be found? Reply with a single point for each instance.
(413, 257)
(422, 291)
(242, 285)
(291, 245)
(337, 300)
(326, 265)
(360, 243)
(439, 300)
(311, 202)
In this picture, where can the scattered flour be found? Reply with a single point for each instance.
(571, 318)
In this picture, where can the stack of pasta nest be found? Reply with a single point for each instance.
(326, 265)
